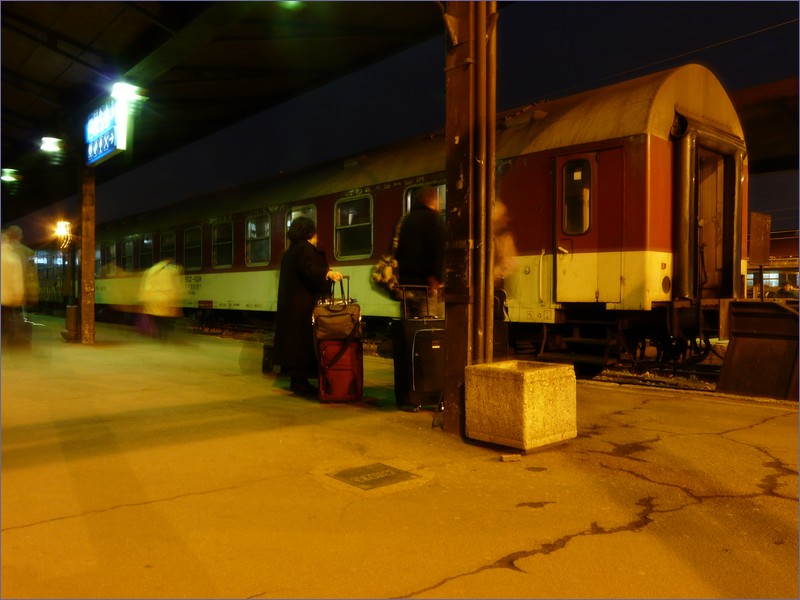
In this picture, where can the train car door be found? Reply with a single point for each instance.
(589, 227)
(711, 219)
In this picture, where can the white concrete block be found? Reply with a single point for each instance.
(521, 404)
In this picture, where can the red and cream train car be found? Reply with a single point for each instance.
(627, 205)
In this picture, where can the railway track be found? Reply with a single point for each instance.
(700, 377)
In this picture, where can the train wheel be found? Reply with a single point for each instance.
(697, 350)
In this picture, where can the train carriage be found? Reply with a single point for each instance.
(627, 205)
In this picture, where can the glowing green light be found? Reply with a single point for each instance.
(292, 5)
(10, 175)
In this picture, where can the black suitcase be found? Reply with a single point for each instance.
(418, 358)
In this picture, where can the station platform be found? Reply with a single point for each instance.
(134, 468)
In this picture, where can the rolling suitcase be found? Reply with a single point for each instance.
(341, 370)
(418, 357)
(337, 328)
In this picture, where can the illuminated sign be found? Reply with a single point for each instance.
(106, 131)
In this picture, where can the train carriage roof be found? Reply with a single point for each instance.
(646, 105)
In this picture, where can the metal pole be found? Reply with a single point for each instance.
(469, 133)
(491, 130)
(459, 20)
(480, 199)
(87, 256)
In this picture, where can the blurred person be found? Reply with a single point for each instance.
(420, 256)
(13, 291)
(161, 294)
(505, 249)
(305, 277)
(29, 271)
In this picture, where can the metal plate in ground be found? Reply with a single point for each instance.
(373, 476)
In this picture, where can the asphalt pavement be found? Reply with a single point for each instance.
(134, 468)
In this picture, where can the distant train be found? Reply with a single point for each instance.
(627, 205)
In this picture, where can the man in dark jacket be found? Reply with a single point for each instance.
(420, 255)
(305, 277)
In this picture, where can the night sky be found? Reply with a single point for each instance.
(545, 50)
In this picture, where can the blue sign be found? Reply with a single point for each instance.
(106, 131)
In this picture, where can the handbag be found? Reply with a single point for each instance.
(337, 318)
(384, 274)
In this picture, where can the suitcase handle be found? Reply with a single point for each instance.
(345, 297)
(403, 289)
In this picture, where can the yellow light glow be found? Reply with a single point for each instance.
(64, 233)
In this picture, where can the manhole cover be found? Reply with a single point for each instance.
(373, 476)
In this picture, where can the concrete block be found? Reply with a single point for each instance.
(521, 404)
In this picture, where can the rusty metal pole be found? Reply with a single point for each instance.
(459, 20)
(479, 197)
(490, 89)
(87, 256)
(469, 133)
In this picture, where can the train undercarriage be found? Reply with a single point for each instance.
(593, 338)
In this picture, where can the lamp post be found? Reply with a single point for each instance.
(72, 322)
(107, 131)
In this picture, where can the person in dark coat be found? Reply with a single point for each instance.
(305, 277)
(420, 255)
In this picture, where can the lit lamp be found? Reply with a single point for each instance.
(54, 148)
(11, 177)
(64, 236)
(64, 233)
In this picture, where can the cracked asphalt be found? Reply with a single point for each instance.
(136, 469)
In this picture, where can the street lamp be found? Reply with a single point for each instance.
(64, 235)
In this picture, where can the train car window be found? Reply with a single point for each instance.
(353, 228)
(146, 251)
(110, 259)
(98, 261)
(222, 244)
(127, 254)
(577, 192)
(308, 210)
(167, 246)
(412, 193)
(192, 248)
(257, 240)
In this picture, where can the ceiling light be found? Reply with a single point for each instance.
(126, 92)
(289, 5)
(10, 175)
(51, 144)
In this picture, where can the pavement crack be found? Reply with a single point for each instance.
(510, 561)
(771, 481)
(129, 505)
(534, 504)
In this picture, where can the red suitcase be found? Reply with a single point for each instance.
(341, 371)
(337, 328)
